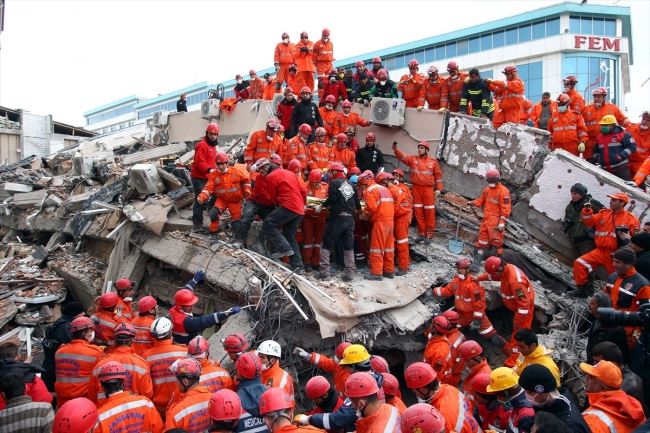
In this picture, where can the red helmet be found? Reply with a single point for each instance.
(333, 71)
(493, 174)
(335, 166)
(383, 176)
(238, 76)
(365, 177)
(510, 69)
(346, 103)
(294, 165)
(252, 72)
(342, 138)
(185, 297)
(125, 329)
(452, 316)
(379, 364)
(108, 300)
(432, 70)
(271, 123)
(224, 405)
(470, 349)
(391, 385)
(360, 384)
(303, 35)
(285, 35)
(326, 32)
(316, 387)
(599, 91)
(276, 159)
(382, 74)
(492, 264)
(425, 144)
(280, 128)
(188, 367)
(481, 382)
(419, 375)
(146, 303)
(357, 171)
(220, 157)
(81, 323)
(314, 176)
(376, 59)
(305, 89)
(78, 415)
(398, 171)
(359, 63)
(442, 325)
(274, 399)
(321, 131)
(197, 346)
(452, 65)
(463, 264)
(331, 98)
(235, 343)
(111, 370)
(288, 89)
(248, 365)
(305, 128)
(413, 63)
(570, 79)
(212, 128)
(422, 418)
(342, 346)
(123, 284)
(371, 136)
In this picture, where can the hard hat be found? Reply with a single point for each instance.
(398, 171)
(252, 72)
(365, 177)
(599, 91)
(321, 131)
(563, 99)
(274, 399)
(354, 179)
(224, 405)
(146, 303)
(160, 327)
(379, 364)
(354, 354)
(371, 136)
(269, 348)
(271, 123)
(303, 35)
(108, 300)
(346, 103)
(510, 69)
(359, 63)
(463, 264)
(248, 365)
(185, 297)
(316, 387)
(382, 74)
(355, 170)
(493, 174)
(413, 63)
(294, 67)
(333, 71)
(238, 76)
(76, 415)
(111, 370)
(383, 176)
(220, 157)
(188, 367)
(608, 120)
(422, 418)
(570, 79)
(260, 163)
(315, 175)
(335, 166)
(235, 343)
(212, 128)
(470, 349)
(340, 349)
(376, 59)
(326, 32)
(305, 89)
(288, 89)
(276, 159)
(123, 284)
(425, 144)
(342, 138)
(492, 264)
(294, 165)
(125, 329)
(360, 385)
(432, 70)
(81, 323)
(480, 383)
(280, 128)
(391, 384)
(452, 65)
(419, 375)
(285, 35)
(502, 378)
(197, 346)
(441, 324)
(305, 128)
(331, 98)
(452, 316)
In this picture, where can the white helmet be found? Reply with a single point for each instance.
(269, 348)
(160, 327)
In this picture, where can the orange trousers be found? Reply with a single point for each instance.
(283, 72)
(382, 247)
(312, 237)
(233, 206)
(589, 262)
(487, 234)
(511, 116)
(424, 205)
(402, 241)
(309, 80)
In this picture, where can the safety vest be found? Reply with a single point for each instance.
(105, 323)
(191, 412)
(73, 364)
(142, 340)
(126, 413)
(160, 358)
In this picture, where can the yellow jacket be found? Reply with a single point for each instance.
(541, 355)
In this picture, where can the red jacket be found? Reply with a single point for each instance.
(336, 89)
(203, 159)
(285, 191)
(36, 389)
(259, 194)
(285, 111)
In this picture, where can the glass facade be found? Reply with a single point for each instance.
(593, 72)
(531, 74)
(110, 114)
(196, 98)
(592, 26)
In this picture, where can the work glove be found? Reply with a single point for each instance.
(437, 193)
(366, 102)
(497, 340)
(466, 80)
(630, 183)
(488, 80)
(199, 276)
(302, 353)
(301, 419)
(500, 227)
(304, 50)
(200, 199)
(220, 316)
(214, 214)
(442, 110)
(476, 325)
(247, 194)
(581, 147)
(420, 107)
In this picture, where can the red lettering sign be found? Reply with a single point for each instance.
(579, 40)
(611, 44)
(594, 43)
(597, 44)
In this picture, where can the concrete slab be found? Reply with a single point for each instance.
(29, 199)
(522, 152)
(154, 154)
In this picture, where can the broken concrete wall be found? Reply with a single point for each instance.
(36, 133)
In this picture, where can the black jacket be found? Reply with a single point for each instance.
(181, 105)
(57, 334)
(642, 265)
(598, 334)
(369, 158)
(305, 112)
(342, 197)
(576, 230)
(566, 411)
(633, 386)
(480, 97)
(9, 366)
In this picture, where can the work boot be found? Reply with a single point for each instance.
(340, 266)
(308, 268)
(476, 263)
(280, 254)
(420, 239)
(197, 228)
(213, 238)
(373, 277)
(390, 275)
(401, 273)
(583, 291)
(299, 271)
(321, 277)
(348, 259)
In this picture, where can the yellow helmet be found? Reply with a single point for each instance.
(355, 354)
(608, 120)
(502, 378)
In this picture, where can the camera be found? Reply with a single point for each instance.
(612, 317)
(624, 229)
(566, 224)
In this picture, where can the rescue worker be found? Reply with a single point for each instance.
(380, 211)
(374, 415)
(349, 83)
(262, 144)
(323, 396)
(495, 201)
(470, 352)
(384, 87)
(163, 354)
(191, 411)
(361, 69)
(147, 313)
(610, 408)
(437, 353)
(323, 56)
(242, 88)
(456, 338)
(377, 66)
(283, 59)
(411, 84)
(270, 88)
(518, 296)
(225, 411)
(391, 390)
(641, 175)
(511, 93)
(613, 147)
(592, 114)
(204, 153)
(329, 115)
(567, 128)
(641, 135)
(78, 415)
(277, 411)
(421, 378)
(306, 112)
(475, 91)
(303, 56)
(230, 185)
(524, 115)
(577, 101)
(137, 378)
(422, 418)
(294, 79)
(427, 185)
(347, 119)
(313, 224)
(256, 86)
(273, 376)
(249, 389)
(213, 377)
(125, 290)
(333, 86)
(318, 154)
(106, 319)
(451, 89)
(401, 221)
(341, 153)
(488, 412)
(124, 411)
(181, 104)
(543, 111)
(431, 91)
(235, 345)
(74, 362)
(370, 157)
(612, 226)
(531, 352)
(504, 383)
(361, 93)
(328, 365)
(284, 110)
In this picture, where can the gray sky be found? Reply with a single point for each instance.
(67, 57)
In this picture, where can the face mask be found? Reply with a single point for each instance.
(285, 40)
(461, 276)
(336, 359)
(303, 139)
(128, 299)
(92, 337)
(346, 114)
(531, 400)
(360, 411)
(420, 400)
(329, 107)
(223, 170)
(492, 185)
(266, 366)
(453, 75)
(644, 127)
(326, 39)
(270, 138)
(598, 105)
(562, 108)
(341, 76)
(604, 129)
(239, 81)
(383, 83)
(567, 89)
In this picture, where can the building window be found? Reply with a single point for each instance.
(486, 42)
(524, 33)
(462, 47)
(610, 27)
(399, 61)
(488, 74)
(593, 72)
(389, 63)
(498, 39)
(474, 45)
(586, 26)
(511, 36)
(592, 26)
(552, 27)
(419, 56)
(598, 26)
(440, 52)
(121, 111)
(531, 75)
(451, 50)
(429, 55)
(539, 30)
(574, 24)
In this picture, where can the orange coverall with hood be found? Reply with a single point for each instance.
(329, 122)
(256, 88)
(469, 300)
(105, 323)
(329, 365)
(126, 413)
(431, 93)
(411, 90)
(567, 131)
(480, 368)
(124, 309)
(577, 100)
(455, 409)
(402, 220)
(456, 338)
(213, 377)
(313, 226)
(142, 340)
(350, 121)
(259, 146)
(623, 411)
(305, 62)
(230, 188)
(160, 358)
(191, 412)
(511, 102)
(380, 211)
(319, 156)
(344, 156)
(276, 377)
(74, 363)
(451, 90)
(385, 420)
(496, 210)
(642, 139)
(437, 353)
(295, 148)
(323, 56)
(592, 115)
(643, 172)
(425, 176)
(537, 112)
(283, 56)
(270, 91)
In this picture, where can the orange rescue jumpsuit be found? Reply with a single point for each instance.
(230, 188)
(124, 309)
(425, 176)
(160, 358)
(537, 112)
(643, 172)
(270, 91)
(496, 210)
(295, 148)
(105, 323)
(214, 377)
(319, 156)
(455, 409)
(142, 340)
(191, 412)
(567, 131)
(330, 366)
(402, 220)
(350, 121)
(398, 403)
(276, 377)
(456, 338)
(577, 100)
(592, 115)
(411, 90)
(74, 363)
(613, 412)
(642, 139)
(344, 156)
(313, 227)
(606, 240)
(451, 92)
(296, 82)
(126, 413)
(431, 93)
(305, 63)
(437, 353)
(512, 99)
(260, 146)
(380, 211)
(329, 122)
(467, 389)
(469, 300)
(323, 56)
(256, 89)
(385, 420)
(283, 56)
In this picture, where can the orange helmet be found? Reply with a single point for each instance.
(492, 264)
(220, 157)
(108, 300)
(441, 324)
(314, 175)
(316, 387)
(185, 297)
(379, 364)
(146, 303)
(425, 144)
(111, 370)
(419, 375)
(224, 405)
(294, 165)
(360, 384)
(563, 99)
(422, 418)
(470, 349)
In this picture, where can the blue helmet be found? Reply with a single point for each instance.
(354, 178)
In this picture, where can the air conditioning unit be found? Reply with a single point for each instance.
(210, 108)
(82, 165)
(385, 111)
(146, 178)
(160, 118)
